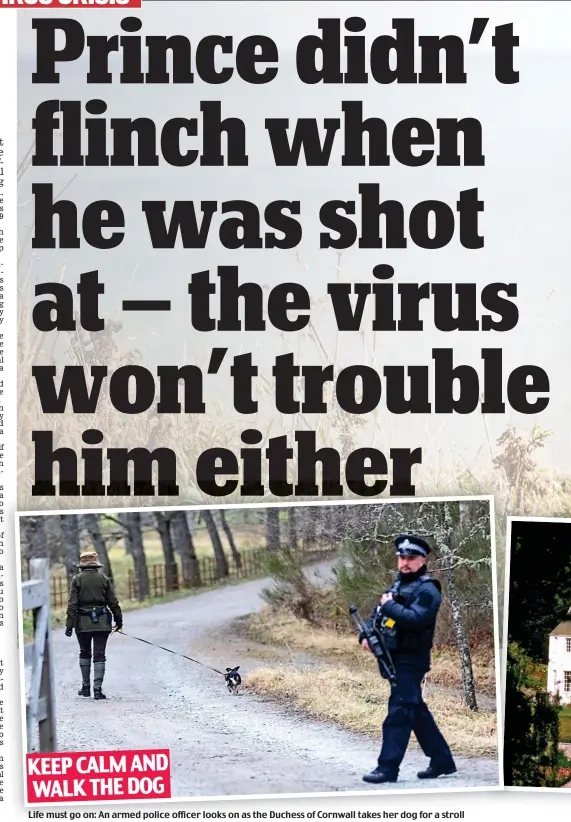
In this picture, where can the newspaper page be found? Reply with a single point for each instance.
(283, 410)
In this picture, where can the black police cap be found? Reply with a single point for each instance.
(411, 546)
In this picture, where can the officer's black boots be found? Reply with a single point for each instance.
(433, 772)
(98, 675)
(85, 667)
(378, 776)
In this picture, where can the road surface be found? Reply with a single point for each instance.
(220, 745)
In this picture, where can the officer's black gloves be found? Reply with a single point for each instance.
(68, 631)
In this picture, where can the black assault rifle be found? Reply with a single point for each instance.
(377, 645)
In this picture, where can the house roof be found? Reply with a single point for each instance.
(563, 629)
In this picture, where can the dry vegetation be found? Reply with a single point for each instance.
(344, 687)
(357, 700)
(284, 629)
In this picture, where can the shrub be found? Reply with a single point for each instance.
(531, 736)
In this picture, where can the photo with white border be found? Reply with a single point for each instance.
(232, 648)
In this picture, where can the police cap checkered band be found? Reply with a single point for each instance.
(411, 546)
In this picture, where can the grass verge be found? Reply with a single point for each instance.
(346, 688)
(279, 628)
(357, 700)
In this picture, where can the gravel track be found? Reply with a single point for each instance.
(220, 745)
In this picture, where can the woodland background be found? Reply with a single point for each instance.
(157, 556)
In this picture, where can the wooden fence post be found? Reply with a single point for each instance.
(40, 702)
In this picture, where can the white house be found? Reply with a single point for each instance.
(559, 667)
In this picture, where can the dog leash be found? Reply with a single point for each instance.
(176, 653)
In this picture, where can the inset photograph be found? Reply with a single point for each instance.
(271, 650)
(537, 636)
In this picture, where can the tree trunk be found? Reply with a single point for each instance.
(33, 533)
(124, 520)
(69, 524)
(340, 517)
(309, 527)
(135, 539)
(171, 568)
(331, 518)
(230, 537)
(461, 639)
(91, 525)
(321, 519)
(184, 546)
(220, 556)
(273, 530)
(448, 552)
(292, 529)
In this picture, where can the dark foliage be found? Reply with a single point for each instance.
(540, 583)
(531, 734)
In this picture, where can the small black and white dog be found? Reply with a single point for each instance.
(233, 679)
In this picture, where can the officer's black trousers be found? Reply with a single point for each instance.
(408, 713)
(99, 639)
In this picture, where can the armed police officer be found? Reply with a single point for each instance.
(92, 603)
(410, 608)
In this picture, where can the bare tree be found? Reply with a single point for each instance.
(134, 541)
(330, 514)
(340, 518)
(309, 522)
(321, 515)
(273, 530)
(230, 537)
(453, 527)
(185, 548)
(69, 524)
(449, 543)
(461, 533)
(33, 535)
(219, 555)
(292, 529)
(123, 521)
(171, 568)
(91, 525)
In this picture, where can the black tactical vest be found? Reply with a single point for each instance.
(407, 641)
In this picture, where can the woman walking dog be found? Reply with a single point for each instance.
(91, 604)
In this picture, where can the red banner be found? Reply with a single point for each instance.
(99, 775)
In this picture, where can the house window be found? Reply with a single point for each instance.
(568, 645)
(567, 682)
